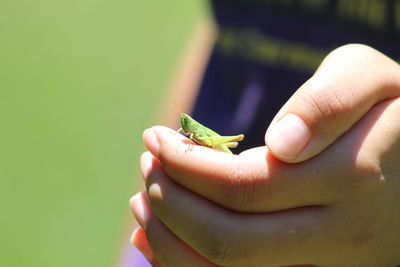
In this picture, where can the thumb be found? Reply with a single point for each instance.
(350, 80)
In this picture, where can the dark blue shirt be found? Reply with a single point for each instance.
(267, 49)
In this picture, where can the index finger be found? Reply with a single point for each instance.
(252, 181)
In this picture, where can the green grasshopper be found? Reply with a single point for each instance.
(207, 137)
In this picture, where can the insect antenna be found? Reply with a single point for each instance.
(177, 107)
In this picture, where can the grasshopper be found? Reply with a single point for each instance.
(207, 137)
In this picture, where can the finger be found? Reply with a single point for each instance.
(251, 182)
(168, 249)
(348, 83)
(139, 240)
(239, 239)
(219, 226)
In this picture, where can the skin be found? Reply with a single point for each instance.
(328, 198)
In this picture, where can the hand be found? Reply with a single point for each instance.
(350, 80)
(338, 208)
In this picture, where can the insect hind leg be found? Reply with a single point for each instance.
(232, 144)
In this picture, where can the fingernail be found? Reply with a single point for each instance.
(145, 164)
(139, 208)
(288, 137)
(134, 236)
(139, 240)
(151, 141)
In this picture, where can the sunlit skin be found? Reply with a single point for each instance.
(329, 200)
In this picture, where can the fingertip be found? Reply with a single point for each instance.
(160, 136)
(139, 240)
(151, 141)
(146, 162)
(288, 137)
(135, 235)
(140, 208)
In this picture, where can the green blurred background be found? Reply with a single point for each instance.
(79, 82)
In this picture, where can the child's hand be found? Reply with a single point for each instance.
(339, 208)
(350, 80)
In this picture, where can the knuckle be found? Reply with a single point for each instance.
(366, 233)
(215, 247)
(367, 178)
(223, 247)
(363, 239)
(360, 176)
(326, 102)
(245, 190)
